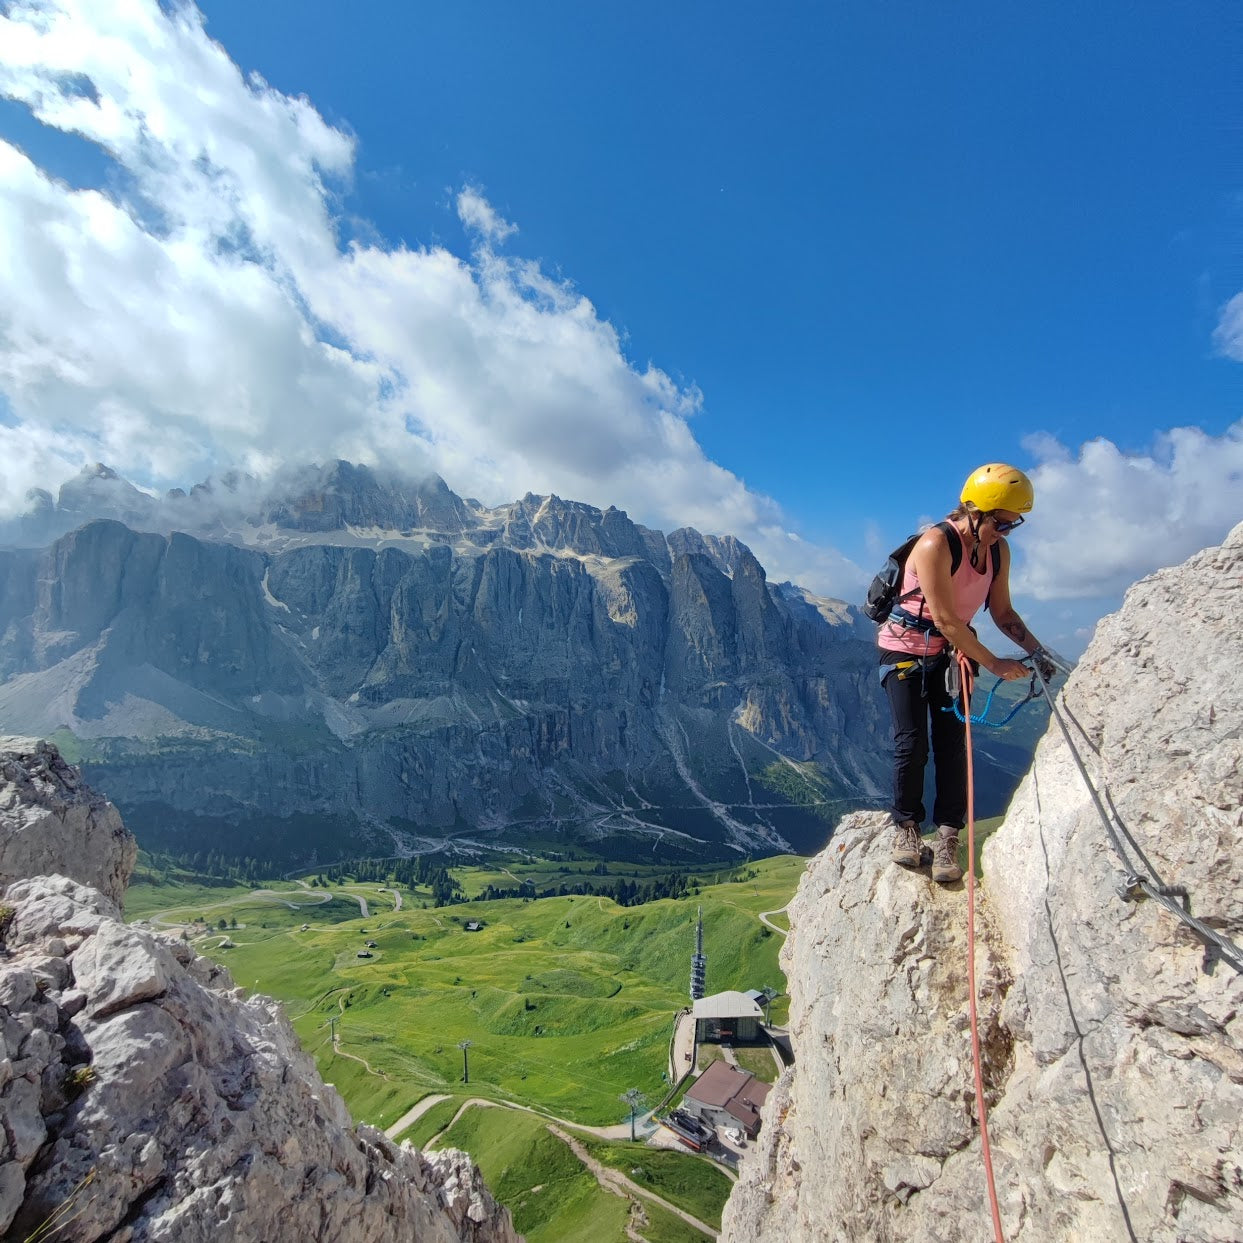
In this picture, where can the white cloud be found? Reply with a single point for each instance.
(204, 315)
(1228, 335)
(1105, 518)
(476, 213)
(197, 311)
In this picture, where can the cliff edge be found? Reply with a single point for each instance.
(52, 821)
(1112, 1038)
(143, 1097)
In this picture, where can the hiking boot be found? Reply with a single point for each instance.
(945, 869)
(907, 849)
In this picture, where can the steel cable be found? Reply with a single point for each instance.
(1151, 885)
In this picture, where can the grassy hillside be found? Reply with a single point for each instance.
(569, 1001)
(555, 1198)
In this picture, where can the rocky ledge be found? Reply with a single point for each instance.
(144, 1097)
(1112, 1040)
(52, 821)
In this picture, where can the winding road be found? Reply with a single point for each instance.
(769, 923)
(411, 1116)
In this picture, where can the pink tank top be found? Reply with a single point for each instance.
(970, 592)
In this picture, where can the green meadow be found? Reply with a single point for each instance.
(554, 1198)
(567, 1001)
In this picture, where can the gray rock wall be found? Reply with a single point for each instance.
(143, 1097)
(51, 821)
(450, 682)
(1112, 1046)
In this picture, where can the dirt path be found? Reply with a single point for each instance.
(160, 919)
(769, 923)
(620, 1131)
(682, 1047)
(340, 1052)
(411, 1116)
(616, 1182)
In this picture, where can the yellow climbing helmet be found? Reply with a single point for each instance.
(998, 486)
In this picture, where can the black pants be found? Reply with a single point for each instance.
(915, 703)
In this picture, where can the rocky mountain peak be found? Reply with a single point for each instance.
(1112, 1038)
(341, 494)
(239, 660)
(98, 491)
(144, 1097)
(726, 552)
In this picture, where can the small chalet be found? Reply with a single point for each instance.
(726, 1095)
(474, 925)
(727, 1016)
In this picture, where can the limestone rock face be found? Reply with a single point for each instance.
(1112, 1043)
(53, 822)
(357, 656)
(143, 1091)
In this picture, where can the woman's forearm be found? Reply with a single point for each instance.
(1011, 625)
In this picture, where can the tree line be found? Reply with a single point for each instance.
(621, 890)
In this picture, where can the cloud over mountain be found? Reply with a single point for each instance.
(198, 311)
(199, 307)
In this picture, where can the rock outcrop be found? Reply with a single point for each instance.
(1112, 1041)
(144, 1097)
(53, 821)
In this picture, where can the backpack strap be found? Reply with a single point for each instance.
(955, 544)
(954, 540)
(995, 553)
(918, 621)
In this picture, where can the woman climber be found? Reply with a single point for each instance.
(955, 567)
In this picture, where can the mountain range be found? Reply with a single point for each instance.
(346, 662)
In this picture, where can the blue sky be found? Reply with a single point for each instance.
(832, 256)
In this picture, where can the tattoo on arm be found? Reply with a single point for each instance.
(1016, 630)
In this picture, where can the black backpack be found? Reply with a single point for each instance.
(883, 596)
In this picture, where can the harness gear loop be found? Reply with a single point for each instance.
(967, 677)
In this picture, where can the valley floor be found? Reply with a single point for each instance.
(567, 1003)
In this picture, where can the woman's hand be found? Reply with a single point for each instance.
(1009, 670)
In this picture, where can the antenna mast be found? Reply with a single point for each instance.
(699, 962)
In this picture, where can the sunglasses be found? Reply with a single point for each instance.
(1004, 526)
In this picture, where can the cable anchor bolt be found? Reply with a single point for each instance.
(1130, 888)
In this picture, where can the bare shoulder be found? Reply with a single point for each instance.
(930, 558)
(933, 543)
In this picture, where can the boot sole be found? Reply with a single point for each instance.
(944, 876)
(907, 859)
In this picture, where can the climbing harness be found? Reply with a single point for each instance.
(916, 667)
(967, 676)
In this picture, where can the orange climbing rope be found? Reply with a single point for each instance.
(964, 666)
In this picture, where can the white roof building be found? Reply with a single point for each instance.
(727, 1005)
